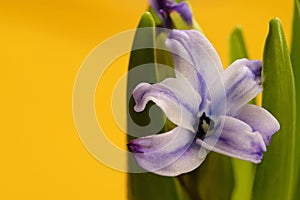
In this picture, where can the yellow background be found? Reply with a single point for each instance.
(42, 45)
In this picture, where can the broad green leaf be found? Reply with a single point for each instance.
(215, 178)
(274, 176)
(146, 55)
(147, 186)
(243, 171)
(138, 57)
(163, 57)
(237, 45)
(211, 181)
(295, 58)
(295, 44)
(154, 16)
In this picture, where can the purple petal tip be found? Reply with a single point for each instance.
(256, 67)
(134, 148)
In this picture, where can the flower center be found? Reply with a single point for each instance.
(205, 123)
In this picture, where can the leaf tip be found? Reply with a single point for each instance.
(146, 20)
(275, 22)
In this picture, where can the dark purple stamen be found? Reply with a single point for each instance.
(205, 123)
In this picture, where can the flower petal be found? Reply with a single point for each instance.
(237, 140)
(260, 120)
(190, 160)
(193, 47)
(242, 81)
(174, 96)
(157, 153)
(197, 60)
(192, 76)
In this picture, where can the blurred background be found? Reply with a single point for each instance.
(42, 45)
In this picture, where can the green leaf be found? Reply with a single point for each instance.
(295, 44)
(147, 186)
(215, 178)
(237, 45)
(274, 176)
(295, 58)
(155, 17)
(163, 57)
(144, 36)
(243, 171)
(243, 179)
(211, 181)
(144, 55)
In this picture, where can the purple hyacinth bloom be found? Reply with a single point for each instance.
(193, 101)
(163, 8)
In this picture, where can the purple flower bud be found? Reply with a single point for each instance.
(163, 8)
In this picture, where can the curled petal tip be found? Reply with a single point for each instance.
(134, 148)
(242, 81)
(256, 67)
(260, 120)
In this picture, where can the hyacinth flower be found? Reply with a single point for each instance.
(205, 121)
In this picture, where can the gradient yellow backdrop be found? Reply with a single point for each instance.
(42, 45)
